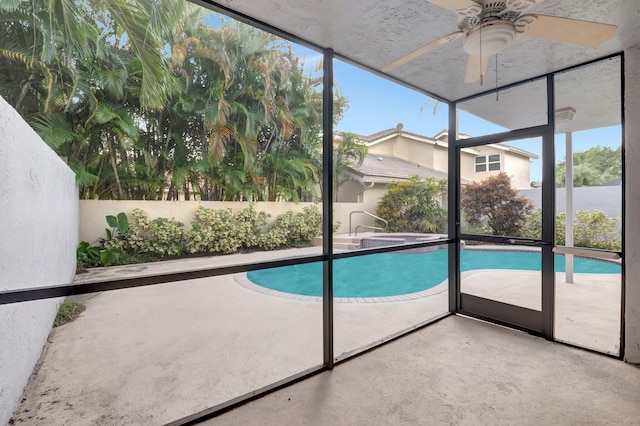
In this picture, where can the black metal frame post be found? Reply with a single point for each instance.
(327, 207)
(487, 309)
(517, 317)
(548, 215)
(623, 296)
(454, 211)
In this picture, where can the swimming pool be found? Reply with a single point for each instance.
(392, 274)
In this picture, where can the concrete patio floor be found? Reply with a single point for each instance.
(587, 310)
(457, 372)
(150, 355)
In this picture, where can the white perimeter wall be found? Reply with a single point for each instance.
(38, 238)
(93, 212)
(632, 204)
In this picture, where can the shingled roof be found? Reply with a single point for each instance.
(379, 168)
(387, 132)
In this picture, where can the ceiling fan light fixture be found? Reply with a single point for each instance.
(495, 36)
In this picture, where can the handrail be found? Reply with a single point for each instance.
(368, 227)
(386, 224)
(586, 252)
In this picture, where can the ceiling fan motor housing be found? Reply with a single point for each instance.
(493, 36)
(490, 26)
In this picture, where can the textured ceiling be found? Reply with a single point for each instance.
(593, 92)
(377, 32)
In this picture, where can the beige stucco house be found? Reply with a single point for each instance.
(395, 155)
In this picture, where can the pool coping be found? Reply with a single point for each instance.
(244, 281)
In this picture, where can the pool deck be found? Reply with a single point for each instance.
(150, 355)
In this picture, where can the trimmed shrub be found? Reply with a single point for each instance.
(249, 226)
(278, 233)
(305, 226)
(213, 231)
(291, 229)
(414, 206)
(219, 231)
(590, 229)
(161, 237)
(597, 230)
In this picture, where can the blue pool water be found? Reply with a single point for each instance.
(392, 274)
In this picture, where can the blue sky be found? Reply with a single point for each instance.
(377, 104)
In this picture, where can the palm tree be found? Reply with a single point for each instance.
(141, 98)
(55, 33)
(348, 154)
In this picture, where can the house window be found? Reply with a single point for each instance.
(488, 162)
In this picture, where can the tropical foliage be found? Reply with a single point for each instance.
(591, 229)
(414, 206)
(592, 167)
(493, 206)
(153, 99)
(349, 153)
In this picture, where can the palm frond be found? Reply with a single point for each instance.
(105, 113)
(134, 20)
(54, 129)
(219, 138)
(114, 81)
(10, 5)
(67, 19)
(83, 177)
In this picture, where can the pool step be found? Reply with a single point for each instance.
(345, 246)
(340, 243)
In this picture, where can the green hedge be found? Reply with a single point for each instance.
(214, 231)
(592, 229)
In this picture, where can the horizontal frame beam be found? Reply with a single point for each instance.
(47, 292)
(526, 133)
(37, 293)
(501, 313)
(541, 76)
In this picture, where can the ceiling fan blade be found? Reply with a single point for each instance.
(476, 67)
(455, 5)
(574, 31)
(421, 51)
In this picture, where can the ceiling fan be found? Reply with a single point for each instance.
(490, 26)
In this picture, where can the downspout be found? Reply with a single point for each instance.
(365, 189)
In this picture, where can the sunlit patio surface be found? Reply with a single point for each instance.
(587, 310)
(150, 355)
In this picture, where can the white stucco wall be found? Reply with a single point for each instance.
(518, 169)
(39, 217)
(349, 192)
(92, 212)
(632, 204)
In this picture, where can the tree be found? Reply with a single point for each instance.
(413, 206)
(147, 100)
(80, 85)
(493, 205)
(50, 36)
(350, 153)
(592, 167)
